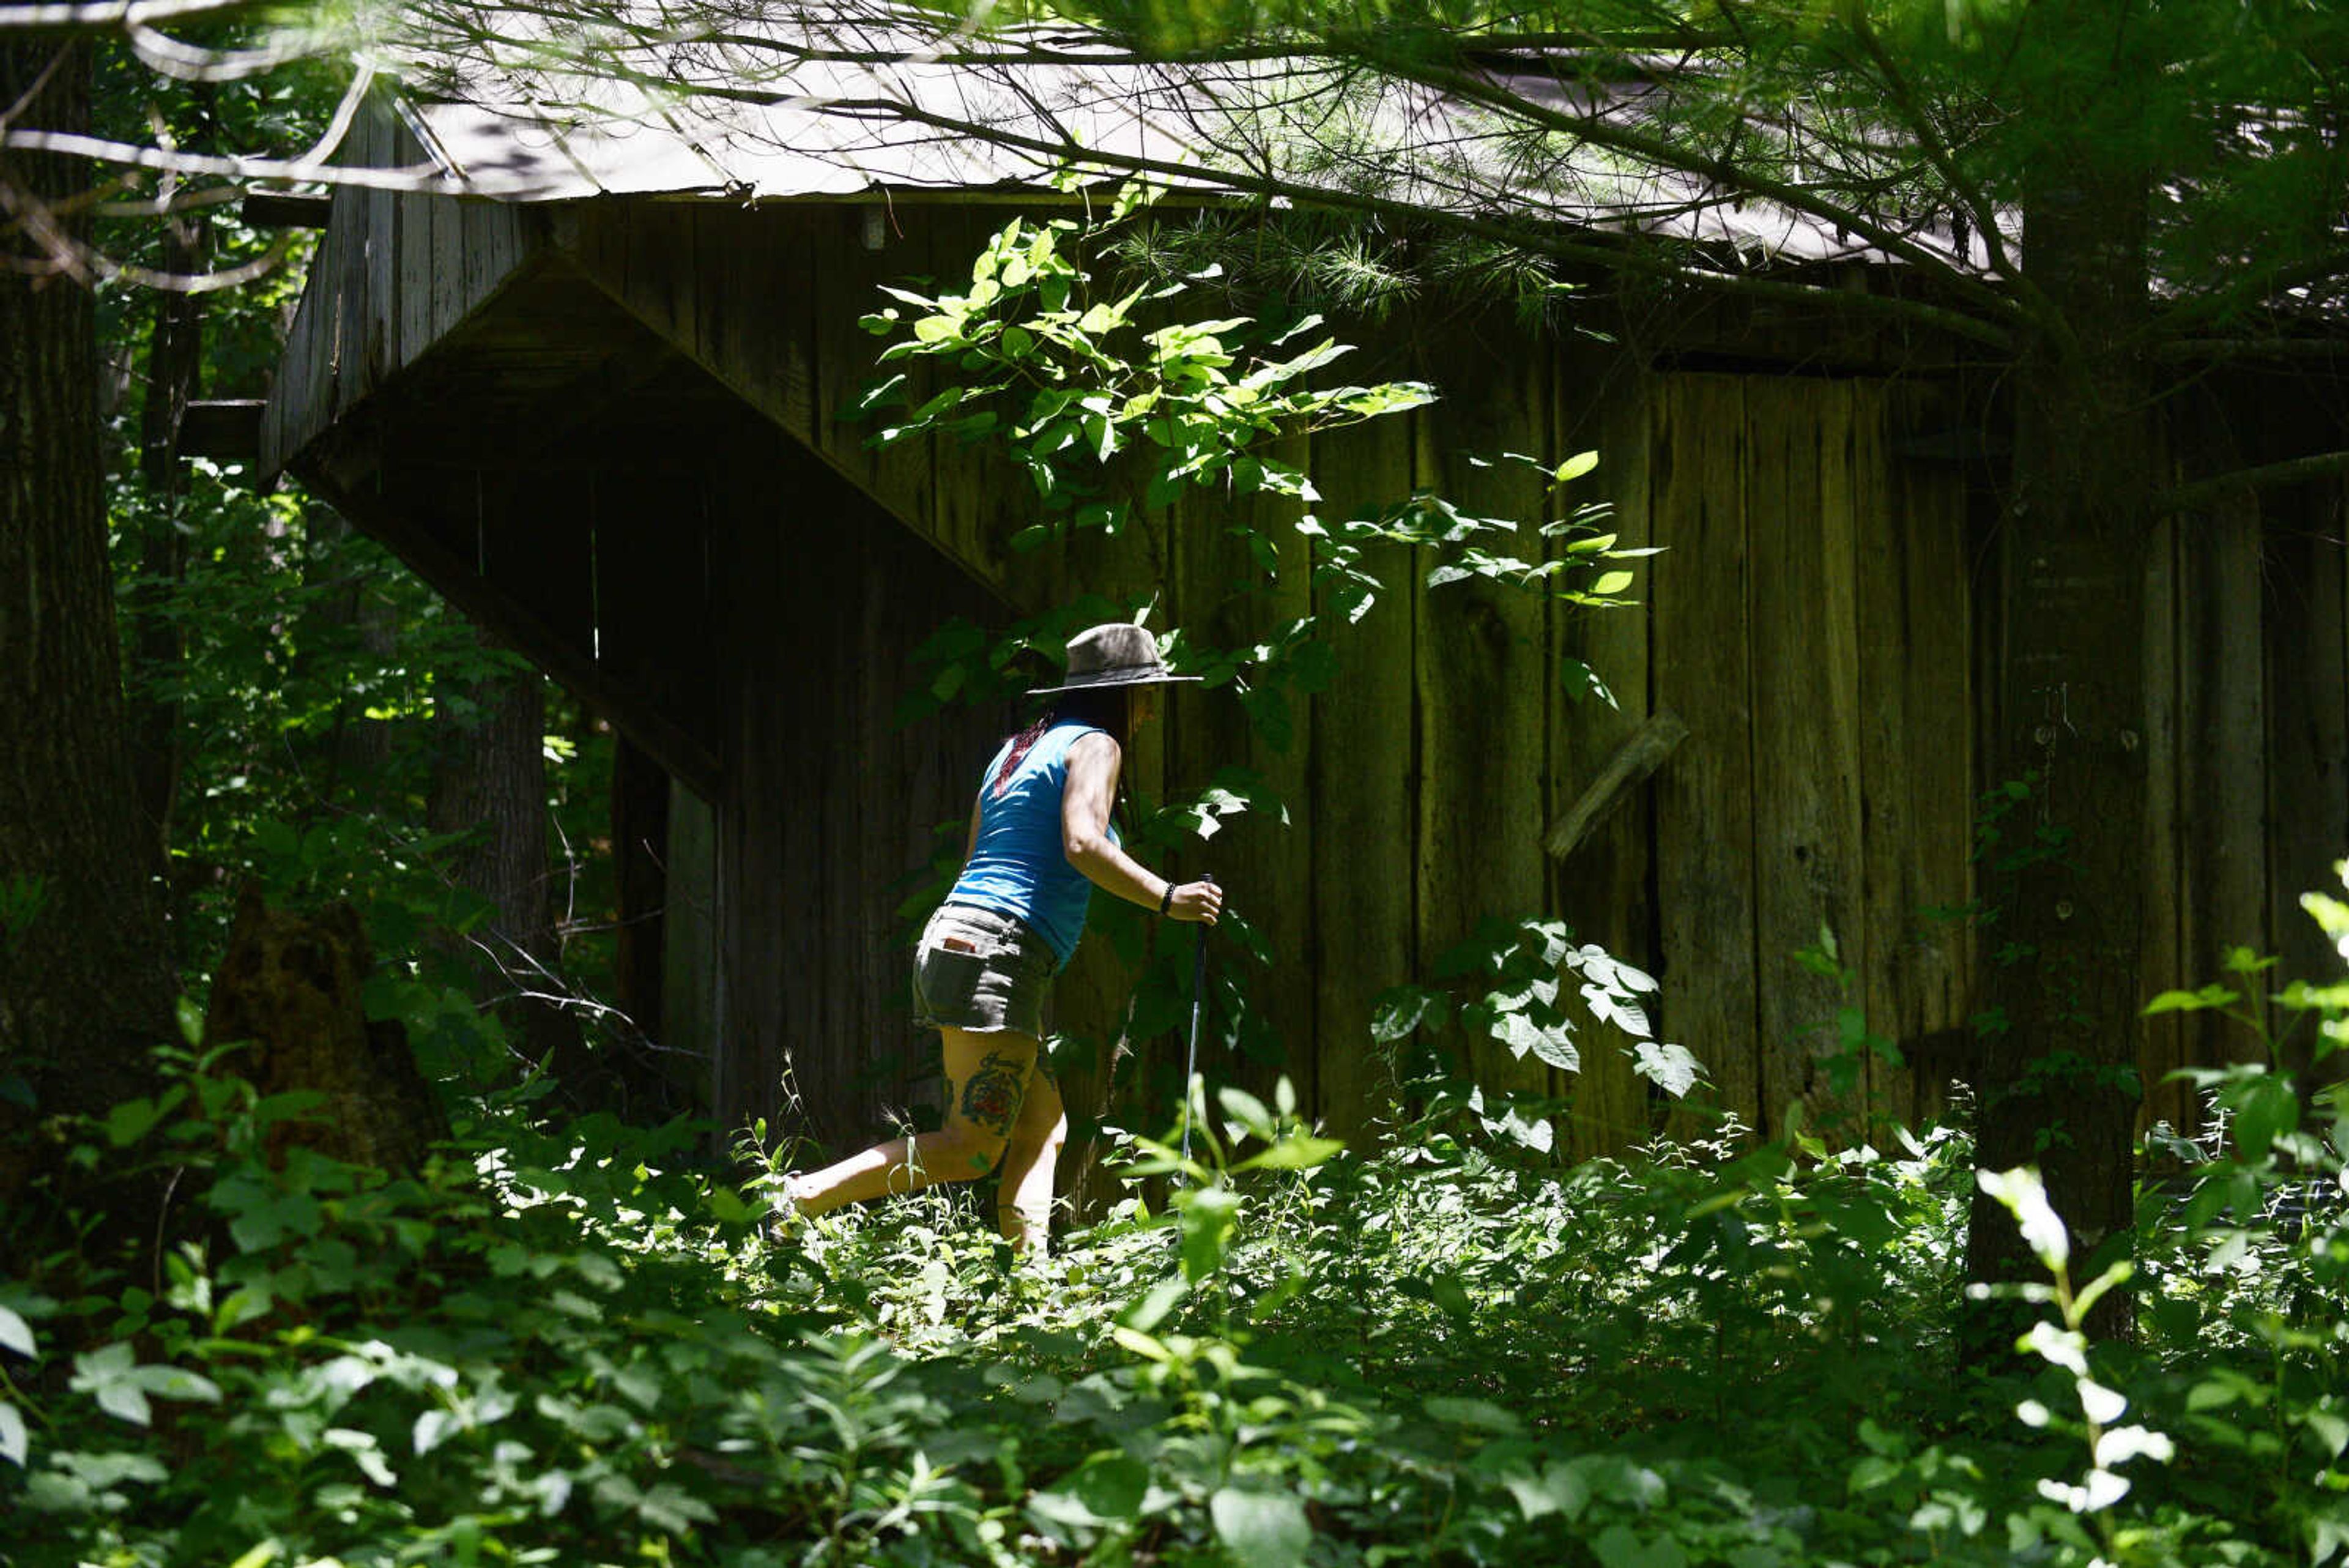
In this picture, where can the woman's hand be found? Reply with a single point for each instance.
(1196, 902)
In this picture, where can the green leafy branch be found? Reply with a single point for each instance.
(1110, 415)
(1083, 394)
(2064, 1345)
(1510, 982)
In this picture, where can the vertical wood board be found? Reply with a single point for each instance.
(1702, 670)
(2308, 720)
(1363, 773)
(1807, 834)
(1917, 766)
(1605, 889)
(2222, 733)
(1479, 663)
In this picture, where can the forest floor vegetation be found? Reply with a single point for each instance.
(576, 1343)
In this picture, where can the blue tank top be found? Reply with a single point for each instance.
(1017, 866)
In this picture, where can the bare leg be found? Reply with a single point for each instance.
(987, 1080)
(1023, 1202)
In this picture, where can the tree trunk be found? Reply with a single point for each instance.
(85, 990)
(156, 648)
(489, 780)
(2059, 1085)
(288, 990)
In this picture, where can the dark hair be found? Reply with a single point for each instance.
(1103, 706)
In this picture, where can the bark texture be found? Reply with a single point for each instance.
(157, 650)
(85, 990)
(2059, 1085)
(289, 988)
(490, 783)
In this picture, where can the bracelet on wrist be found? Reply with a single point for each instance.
(1167, 900)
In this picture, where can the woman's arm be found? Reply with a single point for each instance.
(1085, 801)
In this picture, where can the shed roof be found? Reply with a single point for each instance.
(866, 98)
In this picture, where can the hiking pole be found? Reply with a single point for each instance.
(1198, 989)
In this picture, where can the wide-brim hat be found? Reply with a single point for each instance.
(1117, 654)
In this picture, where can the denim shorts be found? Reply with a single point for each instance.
(982, 970)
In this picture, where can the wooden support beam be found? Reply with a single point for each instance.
(226, 430)
(1628, 768)
(274, 209)
(684, 754)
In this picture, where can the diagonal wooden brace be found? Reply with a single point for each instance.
(1637, 758)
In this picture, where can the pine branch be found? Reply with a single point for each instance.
(1631, 256)
(1725, 173)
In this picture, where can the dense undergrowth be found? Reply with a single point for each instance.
(566, 1344)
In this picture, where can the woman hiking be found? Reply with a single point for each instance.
(1040, 841)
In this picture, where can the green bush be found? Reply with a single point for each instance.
(566, 1344)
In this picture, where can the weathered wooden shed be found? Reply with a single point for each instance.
(594, 394)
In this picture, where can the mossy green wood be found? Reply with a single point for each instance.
(1480, 664)
(2162, 1043)
(2308, 708)
(1223, 597)
(1364, 923)
(1605, 402)
(2222, 793)
(1805, 626)
(1916, 767)
(1703, 671)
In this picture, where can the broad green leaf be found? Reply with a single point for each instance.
(1245, 1109)
(1398, 1012)
(1296, 1152)
(16, 1333)
(1575, 467)
(1262, 1529)
(1480, 1414)
(1107, 1489)
(1621, 1546)
(1209, 1215)
(15, 1442)
(1141, 1344)
(1670, 1067)
(2265, 1109)
(2190, 1001)
(2025, 1198)
(131, 1120)
(1151, 1309)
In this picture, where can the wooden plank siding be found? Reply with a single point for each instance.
(1814, 620)
(1916, 766)
(2222, 865)
(1802, 608)
(1702, 670)
(394, 273)
(1481, 668)
(1606, 889)
(1364, 772)
(2305, 574)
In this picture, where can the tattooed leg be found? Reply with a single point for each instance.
(987, 1081)
(1023, 1203)
(991, 1095)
